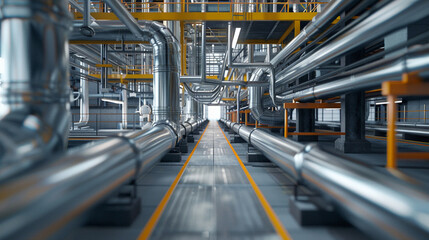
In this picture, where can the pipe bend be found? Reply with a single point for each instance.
(34, 92)
(260, 114)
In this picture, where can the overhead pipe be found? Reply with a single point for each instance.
(392, 16)
(319, 22)
(35, 90)
(166, 104)
(381, 204)
(86, 29)
(54, 196)
(413, 60)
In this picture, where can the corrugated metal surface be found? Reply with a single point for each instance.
(214, 199)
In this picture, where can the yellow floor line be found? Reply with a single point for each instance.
(278, 226)
(150, 225)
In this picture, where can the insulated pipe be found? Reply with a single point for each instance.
(383, 205)
(83, 102)
(44, 203)
(238, 104)
(260, 114)
(331, 11)
(35, 88)
(394, 15)
(124, 108)
(166, 76)
(414, 60)
(191, 109)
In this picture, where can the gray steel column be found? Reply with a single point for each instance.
(353, 124)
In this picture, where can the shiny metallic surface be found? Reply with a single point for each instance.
(264, 116)
(385, 206)
(166, 70)
(414, 60)
(60, 192)
(392, 16)
(83, 103)
(330, 12)
(34, 92)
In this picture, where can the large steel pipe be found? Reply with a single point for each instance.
(166, 70)
(383, 205)
(414, 60)
(394, 15)
(41, 204)
(34, 91)
(322, 20)
(264, 116)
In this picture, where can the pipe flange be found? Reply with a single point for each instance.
(250, 134)
(169, 125)
(133, 146)
(181, 124)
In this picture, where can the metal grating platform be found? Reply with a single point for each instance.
(213, 199)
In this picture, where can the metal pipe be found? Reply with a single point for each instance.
(124, 108)
(238, 103)
(413, 60)
(229, 48)
(322, 20)
(35, 90)
(53, 198)
(260, 114)
(166, 78)
(392, 16)
(381, 204)
(83, 102)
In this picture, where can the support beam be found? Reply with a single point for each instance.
(353, 124)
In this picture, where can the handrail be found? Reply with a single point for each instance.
(234, 7)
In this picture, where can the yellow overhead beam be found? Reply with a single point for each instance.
(209, 16)
(126, 76)
(288, 31)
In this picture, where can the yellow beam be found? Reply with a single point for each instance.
(104, 65)
(229, 99)
(183, 48)
(297, 27)
(209, 16)
(288, 31)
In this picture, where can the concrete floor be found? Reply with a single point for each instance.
(214, 199)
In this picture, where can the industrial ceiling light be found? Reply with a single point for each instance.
(226, 74)
(385, 103)
(112, 100)
(236, 35)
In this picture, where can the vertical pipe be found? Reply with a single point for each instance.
(124, 107)
(238, 104)
(203, 50)
(86, 13)
(229, 43)
(84, 100)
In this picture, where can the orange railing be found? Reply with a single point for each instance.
(235, 7)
